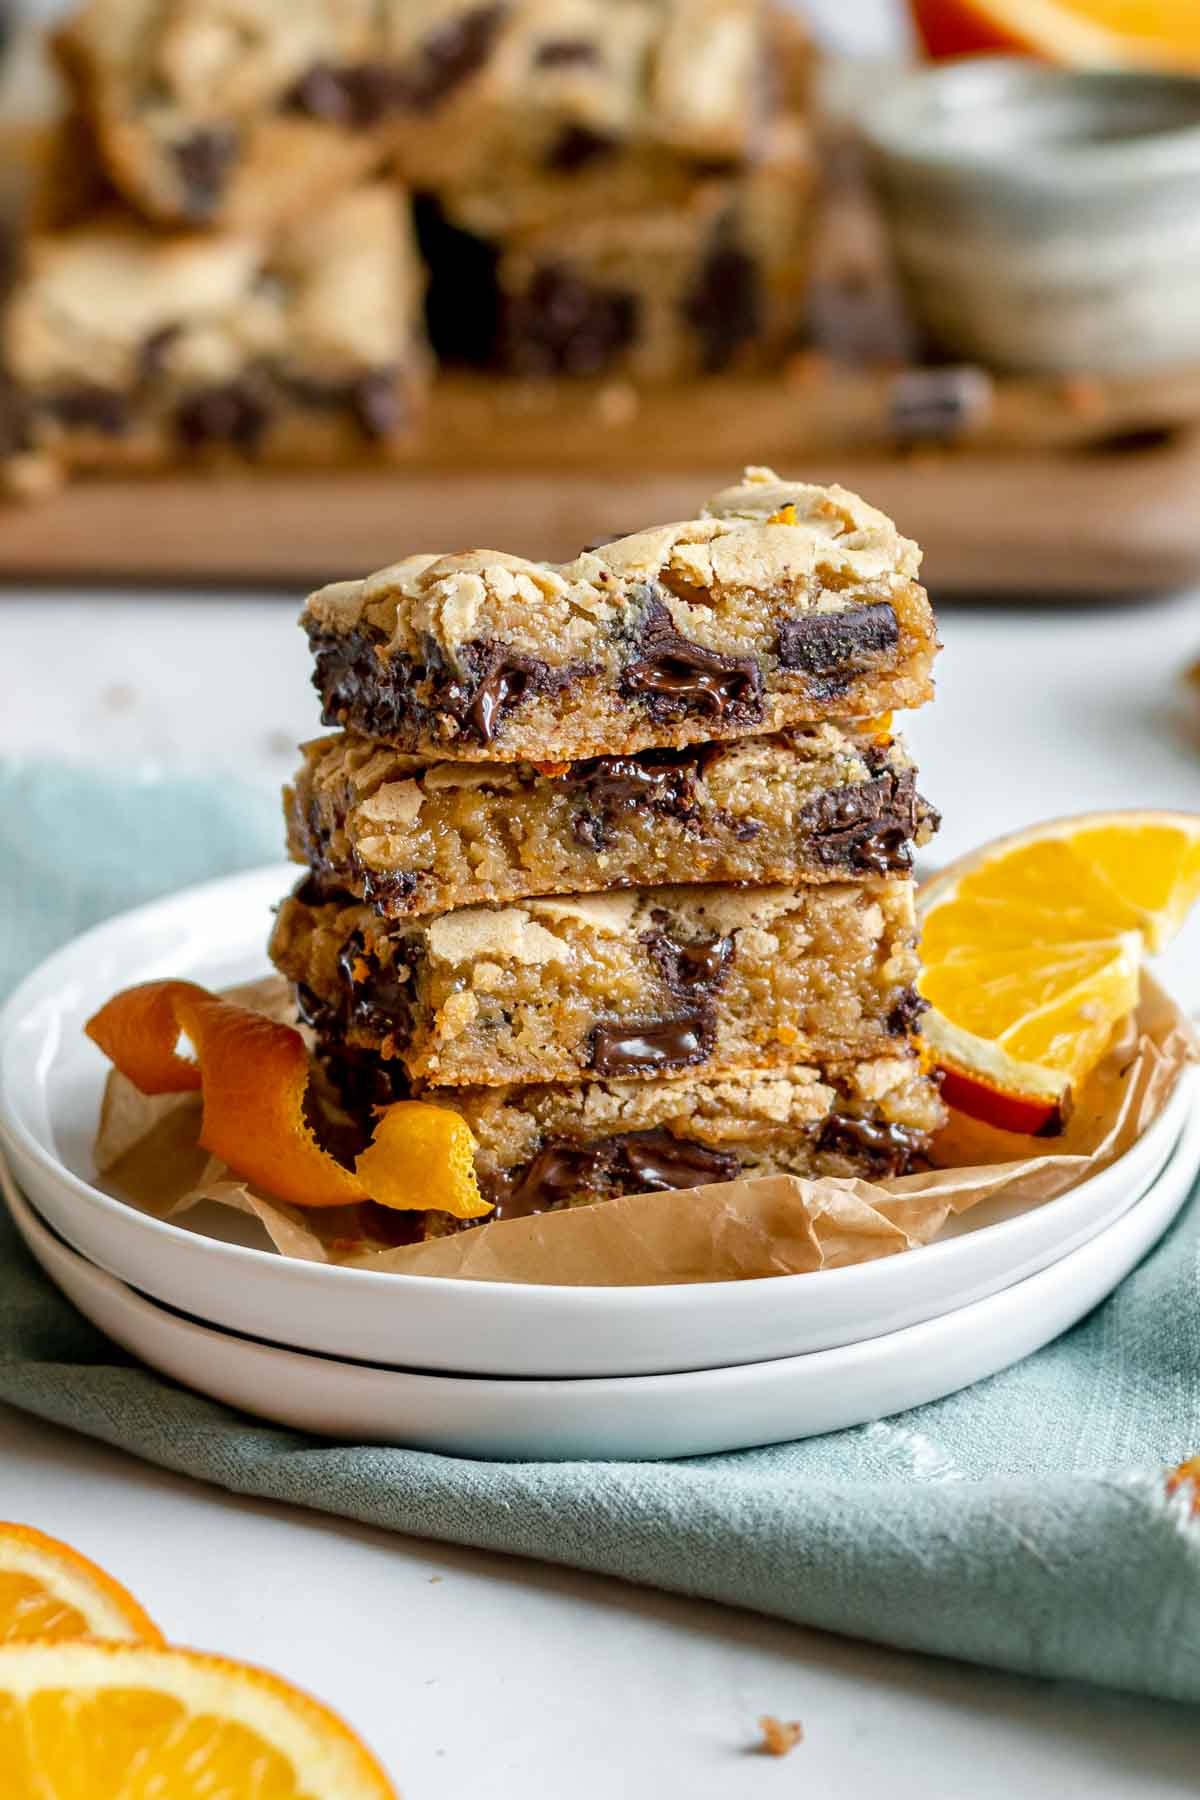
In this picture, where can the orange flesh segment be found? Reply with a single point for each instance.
(48, 1590)
(1032, 954)
(1163, 33)
(254, 1074)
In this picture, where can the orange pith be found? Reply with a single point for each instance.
(91, 1721)
(1154, 33)
(47, 1590)
(1032, 951)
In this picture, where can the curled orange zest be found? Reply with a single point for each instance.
(1187, 1475)
(253, 1074)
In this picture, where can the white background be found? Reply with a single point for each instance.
(471, 1674)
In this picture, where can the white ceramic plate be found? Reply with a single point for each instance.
(51, 1078)
(704, 1412)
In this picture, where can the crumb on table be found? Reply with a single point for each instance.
(779, 1736)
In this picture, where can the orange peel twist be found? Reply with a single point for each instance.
(253, 1074)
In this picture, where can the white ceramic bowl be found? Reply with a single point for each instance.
(701, 1413)
(51, 1078)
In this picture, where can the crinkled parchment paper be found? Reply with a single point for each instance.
(731, 1231)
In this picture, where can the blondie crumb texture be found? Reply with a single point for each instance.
(414, 837)
(544, 1147)
(634, 984)
(782, 604)
(133, 348)
(247, 112)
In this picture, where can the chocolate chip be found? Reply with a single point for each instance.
(559, 53)
(562, 325)
(904, 1020)
(90, 409)
(377, 996)
(462, 295)
(867, 827)
(204, 161)
(886, 1149)
(577, 147)
(233, 414)
(448, 57)
(355, 96)
(152, 354)
(689, 968)
(501, 680)
(674, 677)
(839, 643)
(724, 304)
(639, 1161)
(377, 404)
(387, 891)
(653, 1044)
(612, 786)
(658, 1159)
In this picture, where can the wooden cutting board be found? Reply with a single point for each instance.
(996, 518)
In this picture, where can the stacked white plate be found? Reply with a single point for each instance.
(505, 1370)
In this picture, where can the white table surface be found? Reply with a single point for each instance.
(473, 1674)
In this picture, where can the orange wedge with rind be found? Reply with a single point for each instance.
(87, 1721)
(1032, 951)
(1162, 34)
(49, 1591)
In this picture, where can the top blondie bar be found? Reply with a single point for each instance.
(781, 604)
(243, 112)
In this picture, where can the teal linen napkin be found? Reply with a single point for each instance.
(1023, 1523)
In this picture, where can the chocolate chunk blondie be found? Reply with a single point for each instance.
(815, 804)
(244, 112)
(545, 1147)
(648, 981)
(782, 604)
(134, 348)
(709, 281)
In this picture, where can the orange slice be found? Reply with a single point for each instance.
(90, 1721)
(1032, 950)
(47, 1590)
(1115, 33)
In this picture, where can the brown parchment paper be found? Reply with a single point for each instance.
(147, 1152)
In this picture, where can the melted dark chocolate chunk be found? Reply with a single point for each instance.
(868, 826)
(886, 1149)
(692, 968)
(724, 305)
(838, 644)
(659, 1160)
(576, 147)
(559, 53)
(612, 786)
(562, 325)
(448, 57)
(376, 996)
(462, 296)
(904, 1020)
(387, 892)
(355, 96)
(674, 677)
(653, 1044)
(233, 414)
(204, 161)
(381, 699)
(638, 1161)
(90, 409)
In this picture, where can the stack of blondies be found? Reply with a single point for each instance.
(614, 857)
(257, 214)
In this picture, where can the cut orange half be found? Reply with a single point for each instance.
(90, 1721)
(47, 1590)
(1162, 34)
(1032, 950)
